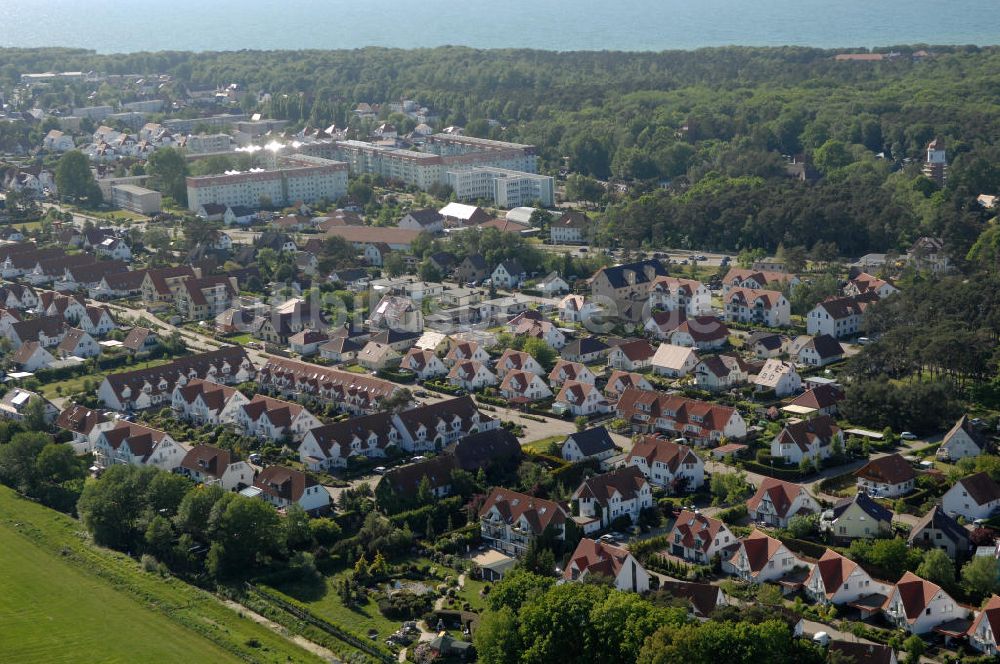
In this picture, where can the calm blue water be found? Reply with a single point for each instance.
(112, 26)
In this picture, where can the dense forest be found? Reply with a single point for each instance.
(698, 140)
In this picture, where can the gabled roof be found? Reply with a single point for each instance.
(971, 431)
(722, 365)
(660, 450)
(697, 531)
(806, 432)
(363, 427)
(595, 557)
(867, 505)
(937, 519)
(279, 413)
(406, 480)
(891, 469)
(863, 653)
(991, 614)
(207, 460)
(704, 597)
(749, 296)
(575, 392)
(80, 419)
(760, 548)
(442, 412)
(820, 397)
(781, 494)
(513, 505)
(282, 482)
(136, 338)
(676, 358)
(981, 488)
(915, 594)
(625, 482)
(705, 415)
(592, 441)
(825, 346)
(833, 569)
(840, 308)
(74, 336)
(26, 352)
(703, 329)
(480, 450)
(644, 272)
(638, 350)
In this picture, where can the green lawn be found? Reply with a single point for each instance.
(324, 601)
(539, 446)
(65, 600)
(75, 384)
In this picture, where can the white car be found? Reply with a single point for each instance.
(908, 435)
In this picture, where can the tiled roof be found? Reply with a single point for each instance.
(697, 531)
(891, 469)
(981, 488)
(512, 505)
(626, 482)
(282, 482)
(781, 494)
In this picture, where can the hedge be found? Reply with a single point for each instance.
(836, 482)
(438, 511)
(446, 388)
(397, 376)
(810, 549)
(790, 474)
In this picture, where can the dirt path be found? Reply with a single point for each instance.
(300, 641)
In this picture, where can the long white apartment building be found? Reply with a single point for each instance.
(504, 187)
(298, 177)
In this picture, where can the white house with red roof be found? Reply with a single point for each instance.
(517, 360)
(918, 606)
(471, 375)
(687, 295)
(716, 373)
(889, 476)
(756, 279)
(424, 363)
(283, 487)
(700, 538)
(582, 399)
(564, 370)
(761, 307)
(760, 558)
(137, 445)
(985, 630)
(596, 558)
(204, 402)
(632, 355)
(974, 497)
(807, 439)
(776, 502)
(701, 332)
(698, 421)
(270, 418)
(865, 283)
(510, 520)
(606, 497)
(210, 465)
(836, 579)
(466, 350)
(667, 464)
(620, 380)
(519, 386)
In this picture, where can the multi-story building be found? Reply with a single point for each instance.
(297, 178)
(510, 521)
(136, 199)
(505, 188)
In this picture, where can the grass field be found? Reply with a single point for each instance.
(65, 600)
(541, 445)
(75, 384)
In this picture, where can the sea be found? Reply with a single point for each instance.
(120, 26)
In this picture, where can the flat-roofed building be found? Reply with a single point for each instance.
(137, 199)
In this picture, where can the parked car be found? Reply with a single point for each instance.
(379, 470)
(908, 435)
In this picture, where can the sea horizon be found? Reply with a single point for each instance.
(123, 26)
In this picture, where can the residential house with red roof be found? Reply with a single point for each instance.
(83, 424)
(984, 634)
(807, 439)
(836, 579)
(424, 363)
(520, 387)
(471, 375)
(154, 386)
(667, 464)
(204, 402)
(352, 392)
(704, 598)
(777, 502)
(510, 520)
(581, 399)
(820, 399)
(756, 279)
(701, 332)
(436, 425)
(632, 355)
(137, 445)
(677, 294)
(210, 465)
(517, 360)
(761, 307)
(717, 373)
(620, 380)
(760, 558)
(565, 371)
(77, 343)
(271, 419)
(974, 497)
(890, 476)
(601, 499)
(284, 487)
(596, 558)
(330, 445)
(466, 350)
(31, 357)
(864, 283)
(698, 421)
(918, 606)
(699, 538)
(840, 317)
